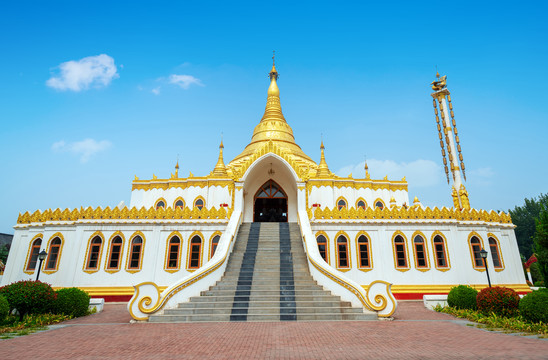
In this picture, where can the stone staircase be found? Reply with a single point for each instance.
(266, 279)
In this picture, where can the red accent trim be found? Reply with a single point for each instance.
(114, 298)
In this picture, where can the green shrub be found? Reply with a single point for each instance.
(72, 301)
(534, 306)
(462, 297)
(539, 283)
(29, 297)
(498, 300)
(4, 308)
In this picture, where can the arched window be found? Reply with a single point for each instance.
(379, 204)
(360, 204)
(475, 246)
(115, 253)
(341, 204)
(342, 253)
(440, 253)
(53, 254)
(173, 253)
(495, 253)
(199, 203)
(195, 253)
(160, 204)
(213, 245)
(135, 253)
(400, 252)
(322, 247)
(94, 252)
(421, 256)
(33, 254)
(364, 253)
(179, 204)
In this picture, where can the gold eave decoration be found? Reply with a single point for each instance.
(358, 183)
(113, 215)
(412, 213)
(181, 183)
(303, 167)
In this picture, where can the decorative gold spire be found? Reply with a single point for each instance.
(366, 168)
(273, 127)
(323, 169)
(220, 169)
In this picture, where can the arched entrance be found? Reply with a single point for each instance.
(270, 203)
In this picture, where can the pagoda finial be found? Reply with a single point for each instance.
(323, 169)
(177, 167)
(366, 168)
(220, 169)
(273, 74)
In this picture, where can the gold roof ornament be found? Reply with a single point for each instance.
(220, 169)
(439, 84)
(273, 128)
(323, 169)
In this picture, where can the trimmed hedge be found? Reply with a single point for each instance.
(534, 306)
(498, 300)
(4, 308)
(29, 297)
(462, 297)
(72, 301)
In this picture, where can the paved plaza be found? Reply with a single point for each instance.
(415, 333)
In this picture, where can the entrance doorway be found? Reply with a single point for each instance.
(270, 203)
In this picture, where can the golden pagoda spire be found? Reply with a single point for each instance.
(220, 169)
(366, 168)
(273, 127)
(323, 169)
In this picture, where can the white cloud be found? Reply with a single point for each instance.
(81, 74)
(418, 173)
(184, 81)
(156, 91)
(485, 172)
(85, 148)
(481, 176)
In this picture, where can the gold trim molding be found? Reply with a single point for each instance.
(125, 213)
(412, 213)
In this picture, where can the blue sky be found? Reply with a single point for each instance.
(173, 76)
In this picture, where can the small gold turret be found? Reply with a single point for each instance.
(177, 169)
(323, 169)
(220, 169)
(366, 168)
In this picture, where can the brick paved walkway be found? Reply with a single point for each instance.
(416, 333)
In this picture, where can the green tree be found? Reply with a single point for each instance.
(524, 219)
(541, 242)
(4, 251)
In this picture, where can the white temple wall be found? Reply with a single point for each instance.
(327, 196)
(460, 259)
(213, 195)
(72, 260)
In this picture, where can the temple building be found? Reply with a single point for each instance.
(272, 219)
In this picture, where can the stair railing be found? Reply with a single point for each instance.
(148, 299)
(378, 296)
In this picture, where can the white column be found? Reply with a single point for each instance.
(455, 169)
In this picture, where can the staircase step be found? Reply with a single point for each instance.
(267, 278)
